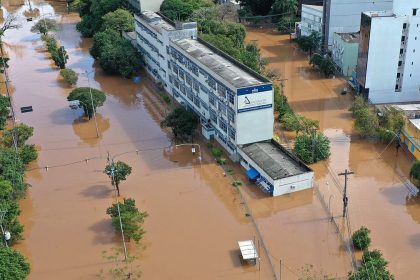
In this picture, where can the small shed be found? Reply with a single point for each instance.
(248, 250)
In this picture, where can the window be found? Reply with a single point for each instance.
(396, 87)
(398, 75)
(231, 116)
(414, 12)
(169, 65)
(232, 132)
(411, 75)
(197, 102)
(402, 38)
(412, 63)
(414, 50)
(412, 148)
(176, 83)
(221, 90)
(222, 108)
(401, 51)
(213, 116)
(188, 79)
(404, 25)
(196, 86)
(181, 74)
(212, 100)
(399, 63)
(190, 96)
(223, 125)
(231, 98)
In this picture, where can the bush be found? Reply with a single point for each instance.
(316, 60)
(13, 265)
(28, 153)
(83, 94)
(367, 122)
(312, 148)
(221, 161)
(361, 239)
(237, 183)
(415, 170)
(374, 266)
(182, 121)
(216, 152)
(132, 219)
(44, 25)
(290, 122)
(69, 76)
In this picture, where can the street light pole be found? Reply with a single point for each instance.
(91, 100)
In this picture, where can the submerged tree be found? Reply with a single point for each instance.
(89, 105)
(182, 121)
(313, 147)
(44, 25)
(118, 172)
(119, 20)
(13, 265)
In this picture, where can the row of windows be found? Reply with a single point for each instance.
(146, 53)
(148, 31)
(145, 41)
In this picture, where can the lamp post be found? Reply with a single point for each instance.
(193, 145)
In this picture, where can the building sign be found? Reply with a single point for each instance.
(255, 101)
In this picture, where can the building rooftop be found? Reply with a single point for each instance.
(353, 37)
(226, 69)
(156, 22)
(314, 7)
(407, 107)
(416, 123)
(275, 160)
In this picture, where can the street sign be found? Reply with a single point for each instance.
(26, 109)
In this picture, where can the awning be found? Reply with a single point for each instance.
(252, 174)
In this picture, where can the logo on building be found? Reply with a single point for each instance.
(246, 101)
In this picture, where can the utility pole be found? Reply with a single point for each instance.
(91, 101)
(345, 198)
(282, 86)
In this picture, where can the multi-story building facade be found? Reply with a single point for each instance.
(388, 68)
(343, 16)
(234, 103)
(311, 20)
(344, 52)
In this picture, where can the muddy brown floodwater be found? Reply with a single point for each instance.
(380, 195)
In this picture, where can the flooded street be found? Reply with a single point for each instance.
(380, 195)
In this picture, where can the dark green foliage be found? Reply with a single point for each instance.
(261, 7)
(12, 170)
(10, 221)
(115, 54)
(415, 170)
(216, 152)
(44, 25)
(60, 57)
(286, 25)
(21, 132)
(28, 153)
(13, 266)
(327, 66)
(69, 76)
(361, 239)
(234, 31)
(285, 7)
(182, 121)
(4, 110)
(83, 94)
(374, 266)
(118, 172)
(367, 122)
(394, 120)
(3, 64)
(132, 219)
(309, 43)
(290, 121)
(89, 25)
(312, 148)
(182, 9)
(316, 60)
(119, 20)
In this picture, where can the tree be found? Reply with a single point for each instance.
(361, 239)
(312, 148)
(21, 132)
(131, 218)
(327, 66)
(12, 169)
(182, 9)
(11, 22)
(83, 94)
(4, 110)
(89, 25)
(415, 170)
(316, 60)
(261, 7)
(10, 221)
(286, 25)
(309, 43)
(69, 76)
(28, 153)
(4, 64)
(102, 39)
(13, 266)
(374, 266)
(44, 25)
(285, 7)
(394, 120)
(290, 121)
(60, 57)
(118, 172)
(119, 20)
(366, 123)
(182, 121)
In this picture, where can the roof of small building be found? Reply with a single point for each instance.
(318, 8)
(380, 13)
(227, 70)
(275, 160)
(407, 107)
(416, 123)
(156, 22)
(352, 37)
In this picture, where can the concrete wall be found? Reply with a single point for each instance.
(405, 7)
(311, 20)
(344, 15)
(345, 55)
(293, 184)
(150, 5)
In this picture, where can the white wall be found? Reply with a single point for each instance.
(384, 49)
(345, 15)
(257, 125)
(293, 184)
(311, 20)
(405, 7)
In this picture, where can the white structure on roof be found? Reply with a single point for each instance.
(343, 16)
(311, 20)
(234, 103)
(248, 250)
(388, 69)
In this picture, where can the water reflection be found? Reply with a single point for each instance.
(413, 207)
(86, 129)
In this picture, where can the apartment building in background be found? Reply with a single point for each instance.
(145, 5)
(311, 20)
(343, 16)
(234, 103)
(388, 69)
(344, 52)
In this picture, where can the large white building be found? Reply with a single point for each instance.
(311, 20)
(235, 104)
(388, 68)
(343, 16)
